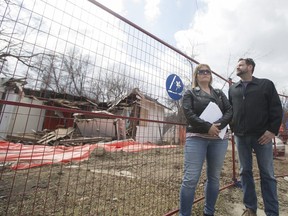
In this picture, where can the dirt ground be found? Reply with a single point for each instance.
(120, 183)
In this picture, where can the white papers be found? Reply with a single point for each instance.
(211, 114)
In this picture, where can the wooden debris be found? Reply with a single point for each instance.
(25, 138)
(55, 135)
(83, 140)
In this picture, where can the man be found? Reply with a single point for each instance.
(257, 115)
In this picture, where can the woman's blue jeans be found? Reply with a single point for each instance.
(264, 156)
(196, 151)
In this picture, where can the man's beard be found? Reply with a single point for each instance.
(240, 72)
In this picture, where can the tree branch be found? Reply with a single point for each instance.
(21, 58)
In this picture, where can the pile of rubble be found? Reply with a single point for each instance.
(61, 136)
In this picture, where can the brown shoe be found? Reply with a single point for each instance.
(249, 212)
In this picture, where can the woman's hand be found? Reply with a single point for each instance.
(214, 130)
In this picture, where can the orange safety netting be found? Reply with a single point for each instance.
(130, 146)
(27, 156)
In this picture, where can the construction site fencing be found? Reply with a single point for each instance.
(90, 113)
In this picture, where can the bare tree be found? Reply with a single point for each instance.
(48, 71)
(63, 73)
(117, 86)
(76, 65)
(74, 74)
(11, 49)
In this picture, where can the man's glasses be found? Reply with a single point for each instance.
(204, 72)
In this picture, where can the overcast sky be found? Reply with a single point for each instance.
(219, 32)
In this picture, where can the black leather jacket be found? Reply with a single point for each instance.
(256, 108)
(194, 103)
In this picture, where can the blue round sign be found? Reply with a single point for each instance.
(174, 87)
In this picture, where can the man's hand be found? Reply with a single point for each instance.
(214, 130)
(266, 138)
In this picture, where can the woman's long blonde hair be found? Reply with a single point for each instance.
(195, 81)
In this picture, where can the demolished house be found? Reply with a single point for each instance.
(141, 119)
(135, 116)
(12, 117)
(29, 124)
(143, 108)
(102, 124)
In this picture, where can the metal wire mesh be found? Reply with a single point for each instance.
(87, 125)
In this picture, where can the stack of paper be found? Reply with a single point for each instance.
(211, 114)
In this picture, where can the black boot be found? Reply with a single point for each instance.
(207, 214)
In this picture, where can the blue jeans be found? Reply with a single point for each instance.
(196, 150)
(264, 155)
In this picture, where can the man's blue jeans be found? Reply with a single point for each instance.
(196, 150)
(264, 155)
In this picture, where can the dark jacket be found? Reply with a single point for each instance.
(256, 108)
(194, 103)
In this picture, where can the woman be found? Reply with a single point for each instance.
(202, 141)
